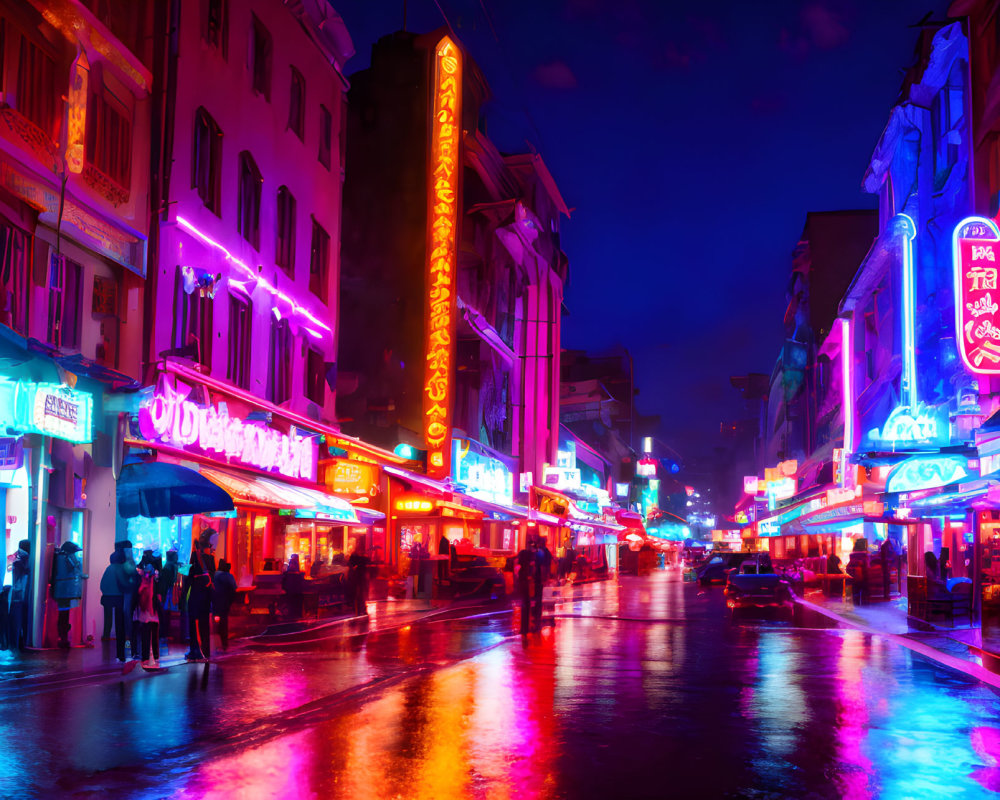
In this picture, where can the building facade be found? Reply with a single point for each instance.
(74, 170)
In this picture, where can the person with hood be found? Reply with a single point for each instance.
(293, 583)
(67, 586)
(199, 596)
(124, 546)
(114, 583)
(223, 594)
(165, 589)
(17, 618)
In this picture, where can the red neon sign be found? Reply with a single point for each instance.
(977, 300)
(442, 207)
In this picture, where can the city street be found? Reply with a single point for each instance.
(644, 688)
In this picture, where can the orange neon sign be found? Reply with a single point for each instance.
(413, 503)
(441, 263)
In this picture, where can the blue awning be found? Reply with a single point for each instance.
(159, 489)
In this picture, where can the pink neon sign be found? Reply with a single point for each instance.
(169, 418)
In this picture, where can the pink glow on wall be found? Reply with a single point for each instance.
(846, 356)
(296, 307)
(169, 417)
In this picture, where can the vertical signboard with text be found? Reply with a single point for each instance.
(977, 301)
(442, 233)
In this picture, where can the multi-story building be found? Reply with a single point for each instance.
(452, 286)
(242, 305)
(75, 79)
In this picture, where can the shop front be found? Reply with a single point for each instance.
(45, 461)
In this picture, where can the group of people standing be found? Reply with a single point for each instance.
(138, 600)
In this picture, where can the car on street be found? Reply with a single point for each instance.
(755, 585)
(718, 566)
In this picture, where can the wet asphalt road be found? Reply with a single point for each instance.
(644, 688)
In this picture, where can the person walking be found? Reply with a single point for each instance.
(17, 617)
(199, 597)
(147, 617)
(525, 568)
(857, 568)
(543, 570)
(358, 564)
(67, 586)
(887, 555)
(223, 594)
(165, 590)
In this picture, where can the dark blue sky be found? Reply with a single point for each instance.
(690, 140)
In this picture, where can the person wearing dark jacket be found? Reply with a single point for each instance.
(67, 586)
(114, 583)
(543, 570)
(223, 594)
(199, 596)
(358, 565)
(17, 618)
(165, 591)
(293, 583)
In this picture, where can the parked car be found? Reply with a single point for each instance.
(718, 566)
(755, 585)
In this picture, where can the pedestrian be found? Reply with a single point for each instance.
(131, 586)
(525, 568)
(857, 568)
(17, 619)
(114, 583)
(199, 596)
(543, 570)
(165, 589)
(67, 586)
(358, 565)
(936, 584)
(147, 616)
(293, 583)
(223, 594)
(444, 549)
(887, 555)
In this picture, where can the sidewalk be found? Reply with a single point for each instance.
(35, 670)
(957, 647)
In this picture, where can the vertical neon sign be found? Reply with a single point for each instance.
(975, 244)
(442, 218)
(846, 358)
(904, 224)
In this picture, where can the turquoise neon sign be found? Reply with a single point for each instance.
(47, 408)
(913, 425)
(927, 472)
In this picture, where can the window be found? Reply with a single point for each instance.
(325, 135)
(947, 113)
(260, 59)
(319, 258)
(279, 383)
(248, 221)
(240, 327)
(192, 335)
(109, 138)
(215, 29)
(284, 249)
(14, 254)
(36, 88)
(343, 132)
(65, 302)
(315, 376)
(206, 160)
(297, 105)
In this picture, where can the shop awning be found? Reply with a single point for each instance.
(159, 489)
(368, 516)
(514, 511)
(303, 501)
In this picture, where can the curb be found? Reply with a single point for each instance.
(932, 653)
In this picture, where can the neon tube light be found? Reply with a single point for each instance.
(909, 387)
(846, 356)
(975, 245)
(296, 307)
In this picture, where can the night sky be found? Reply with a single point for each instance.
(690, 145)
